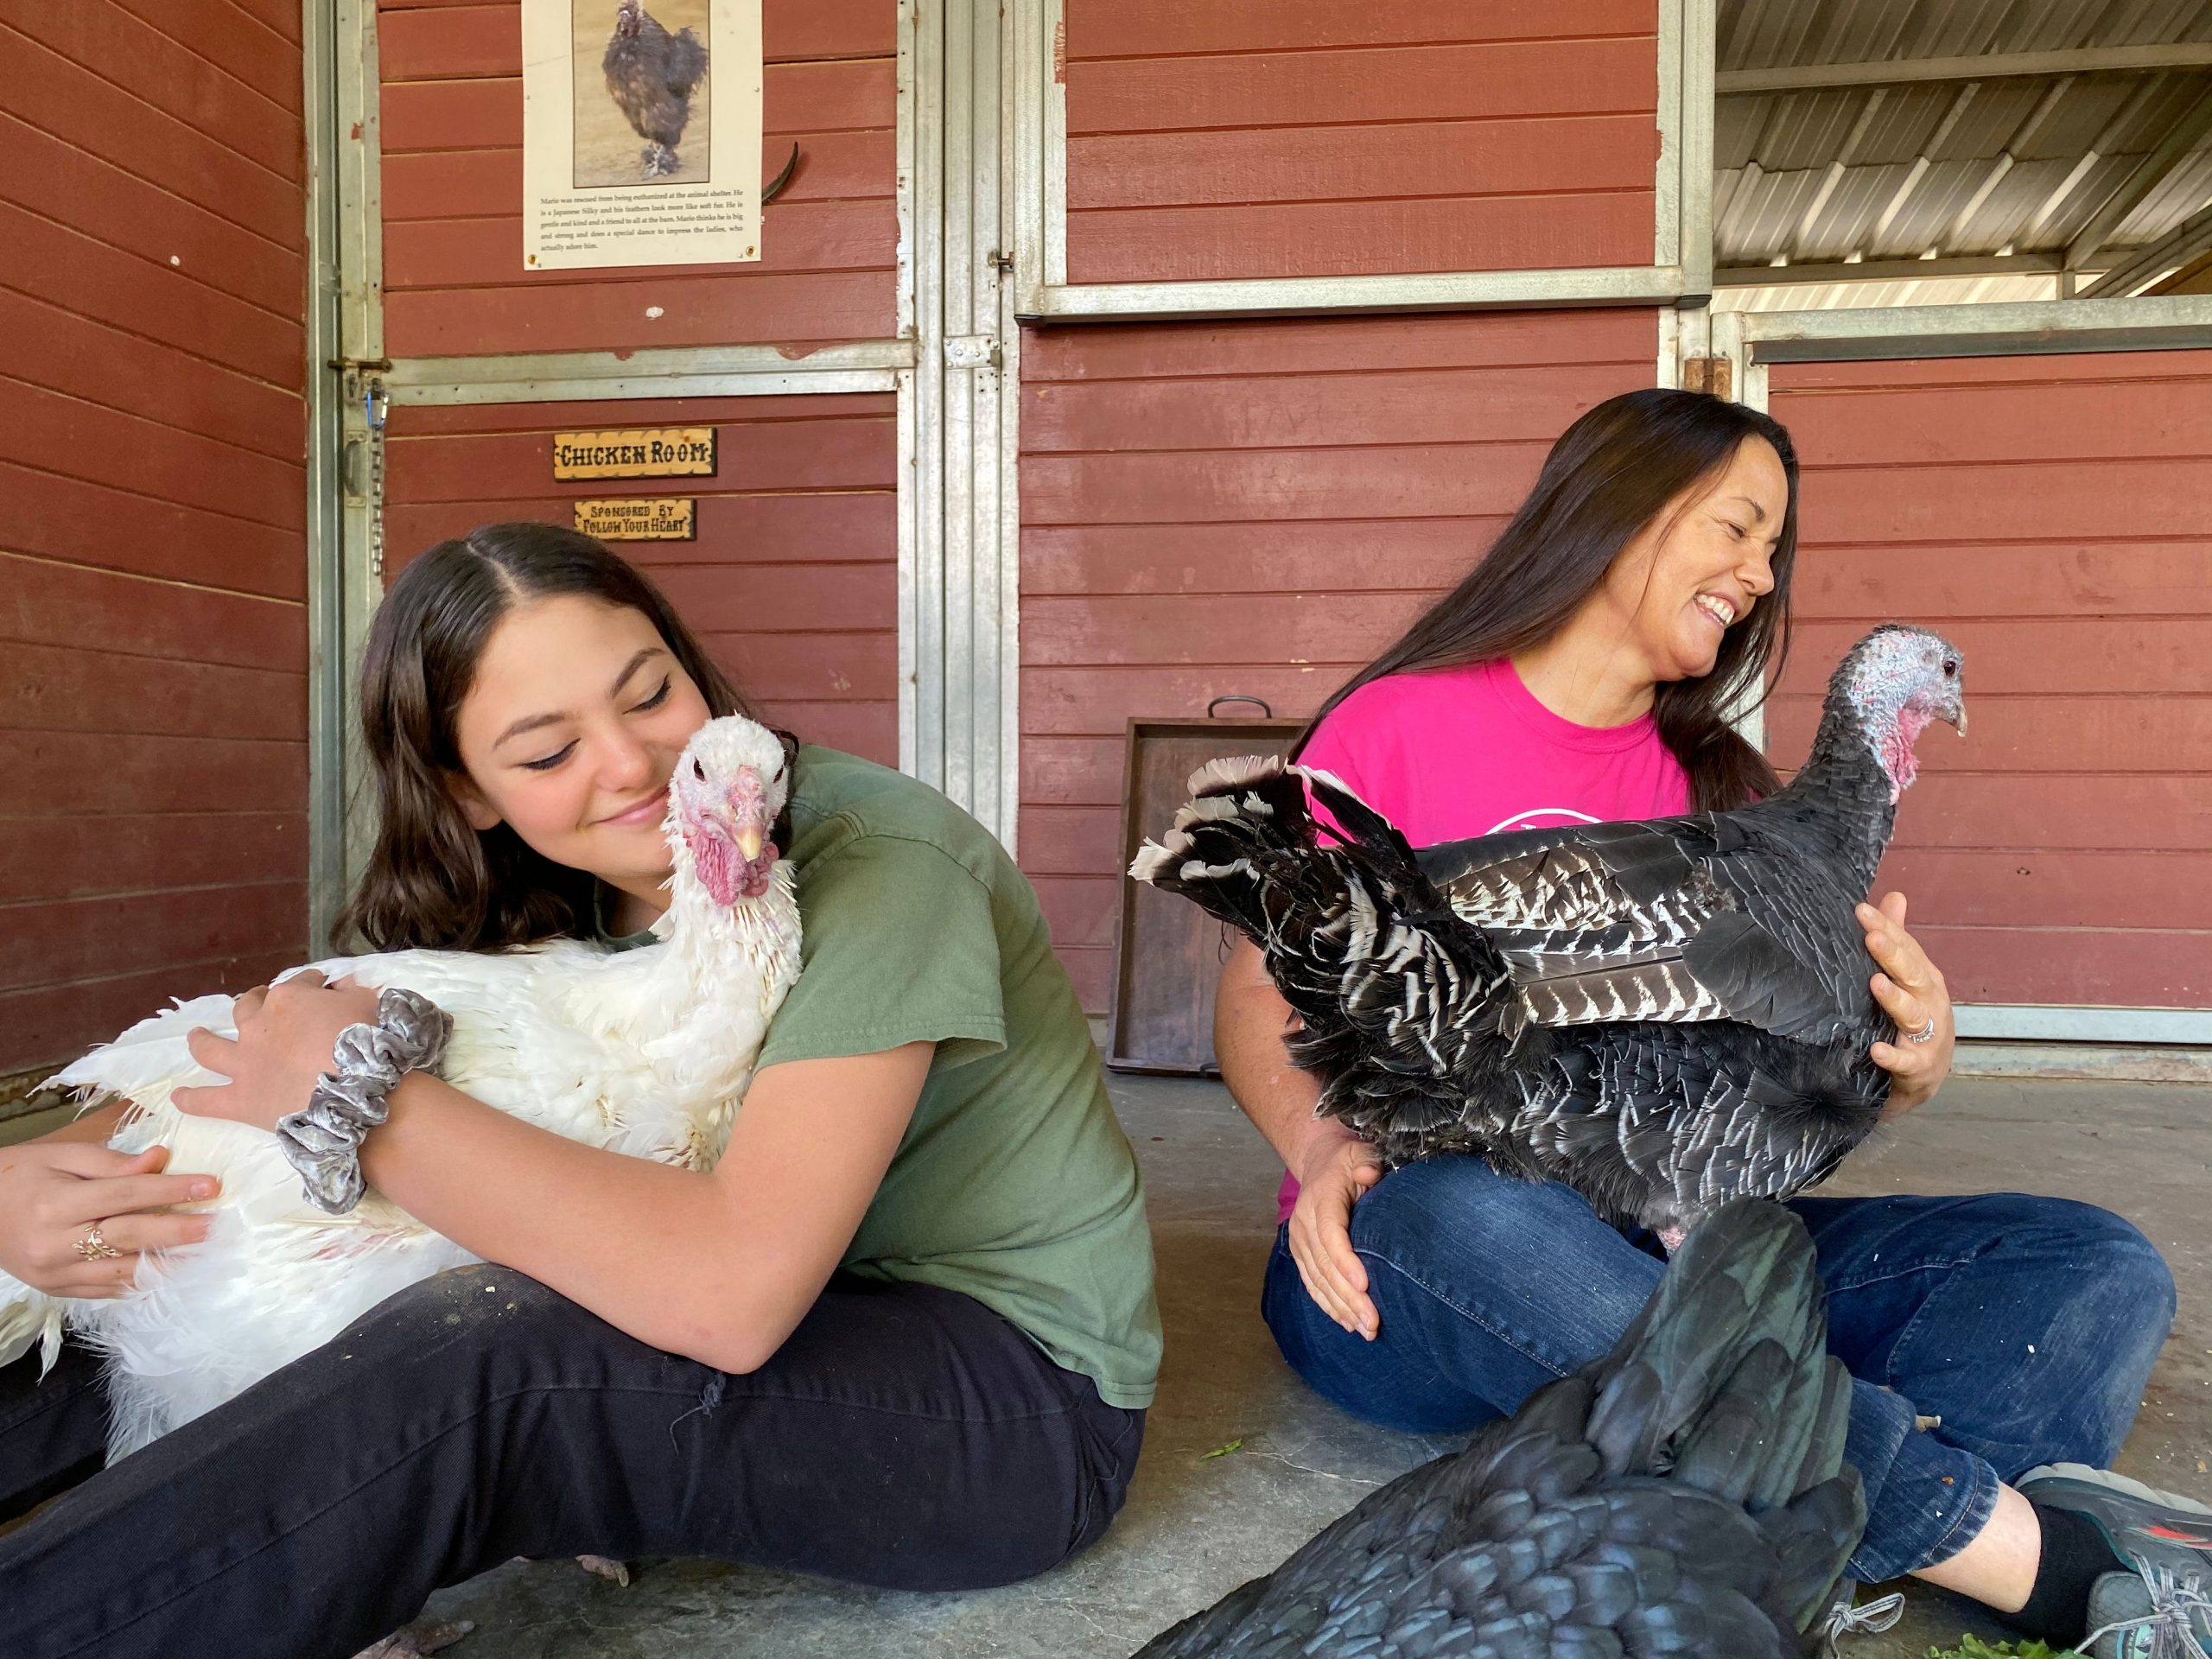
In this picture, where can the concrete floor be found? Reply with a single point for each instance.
(1197, 1525)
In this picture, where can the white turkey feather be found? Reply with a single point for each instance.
(645, 1052)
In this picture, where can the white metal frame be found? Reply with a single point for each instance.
(952, 366)
(1754, 340)
(1681, 266)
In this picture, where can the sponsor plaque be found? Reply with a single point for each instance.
(664, 518)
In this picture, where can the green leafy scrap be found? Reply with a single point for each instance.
(1972, 1647)
(1222, 1450)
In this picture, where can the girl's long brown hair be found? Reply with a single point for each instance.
(1611, 474)
(432, 880)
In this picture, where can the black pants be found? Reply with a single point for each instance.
(903, 1436)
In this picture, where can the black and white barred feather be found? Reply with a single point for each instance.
(1687, 1494)
(1664, 1015)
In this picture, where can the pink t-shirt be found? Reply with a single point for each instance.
(1458, 752)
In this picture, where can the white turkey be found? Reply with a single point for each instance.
(1687, 1494)
(1665, 1015)
(644, 1052)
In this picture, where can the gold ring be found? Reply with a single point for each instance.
(93, 1247)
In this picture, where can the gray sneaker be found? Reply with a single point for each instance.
(2162, 1608)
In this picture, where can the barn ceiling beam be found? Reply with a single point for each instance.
(2180, 245)
(1898, 72)
(2151, 171)
(1887, 270)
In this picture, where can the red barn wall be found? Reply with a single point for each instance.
(1219, 138)
(792, 580)
(2047, 513)
(1253, 507)
(153, 641)
(452, 134)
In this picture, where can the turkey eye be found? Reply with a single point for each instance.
(1950, 668)
(699, 772)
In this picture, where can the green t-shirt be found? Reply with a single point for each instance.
(1014, 1183)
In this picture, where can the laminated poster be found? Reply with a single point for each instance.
(641, 132)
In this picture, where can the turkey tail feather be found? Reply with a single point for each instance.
(1243, 812)
(1725, 1381)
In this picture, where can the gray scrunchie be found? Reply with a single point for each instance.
(323, 1141)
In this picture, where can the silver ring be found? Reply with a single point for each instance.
(94, 1246)
(1923, 1033)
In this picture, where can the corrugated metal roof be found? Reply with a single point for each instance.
(1961, 168)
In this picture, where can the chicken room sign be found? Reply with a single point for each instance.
(641, 132)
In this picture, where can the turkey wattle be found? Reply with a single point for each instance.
(1665, 1015)
(1686, 1494)
(644, 1052)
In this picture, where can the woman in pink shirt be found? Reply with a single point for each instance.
(1583, 671)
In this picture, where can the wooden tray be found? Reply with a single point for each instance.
(1168, 952)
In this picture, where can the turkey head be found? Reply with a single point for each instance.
(727, 792)
(1897, 680)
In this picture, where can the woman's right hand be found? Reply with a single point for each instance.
(1338, 1169)
(52, 1192)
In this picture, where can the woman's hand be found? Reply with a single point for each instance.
(53, 1192)
(1337, 1171)
(1912, 993)
(287, 1033)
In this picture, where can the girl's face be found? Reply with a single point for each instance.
(570, 733)
(1696, 571)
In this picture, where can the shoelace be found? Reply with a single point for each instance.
(2176, 1606)
(1872, 1619)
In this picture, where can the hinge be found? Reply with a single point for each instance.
(971, 351)
(1714, 374)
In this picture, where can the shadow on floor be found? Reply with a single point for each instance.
(1197, 1525)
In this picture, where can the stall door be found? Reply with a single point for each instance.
(2049, 513)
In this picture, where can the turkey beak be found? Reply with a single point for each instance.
(750, 830)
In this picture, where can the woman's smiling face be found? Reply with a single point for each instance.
(568, 734)
(1697, 570)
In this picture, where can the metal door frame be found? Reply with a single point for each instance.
(953, 365)
(1751, 341)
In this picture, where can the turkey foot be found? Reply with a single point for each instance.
(602, 1566)
(423, 1636)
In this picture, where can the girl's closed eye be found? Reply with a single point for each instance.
(657, 697)
(555, 758)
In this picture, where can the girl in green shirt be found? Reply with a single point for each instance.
(903, 1333)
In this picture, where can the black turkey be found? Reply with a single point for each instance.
(652, 74)
(1665, 1015)
(1687, 1494)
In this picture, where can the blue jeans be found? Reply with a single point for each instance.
(2027, 1325)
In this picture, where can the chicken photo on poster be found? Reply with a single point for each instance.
(643, 96)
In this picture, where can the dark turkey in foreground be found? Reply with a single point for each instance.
(1664, 1015)
(651, 74)
(1687, 1494)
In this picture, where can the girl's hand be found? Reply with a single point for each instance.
(287, 1033)
(1912, 993)
(53, 1192)
(1331, 1178)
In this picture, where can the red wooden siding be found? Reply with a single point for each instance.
(2048, 514)
(153, 702)
(793, 582)
(1220, 139)
(1253, 507)
(454, 277)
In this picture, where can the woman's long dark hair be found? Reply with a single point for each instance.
(432, 880)
(1611, 474)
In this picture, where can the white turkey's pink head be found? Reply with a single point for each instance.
(1898, 679)
(724, 797)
